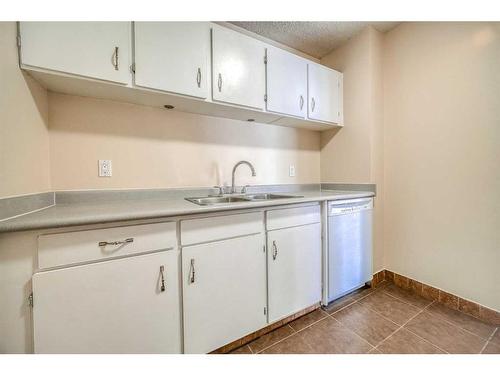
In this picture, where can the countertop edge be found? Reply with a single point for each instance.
(19, 225)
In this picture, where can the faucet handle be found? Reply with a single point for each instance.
(244, 189)
(221, 189)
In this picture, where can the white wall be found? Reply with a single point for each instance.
(157, 148)
(24, 135)
(442, 156)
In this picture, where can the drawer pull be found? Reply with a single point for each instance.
(275, 250)
(162, 269)
(191, 279)
(114, 243)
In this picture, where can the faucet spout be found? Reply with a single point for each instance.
(233, 188)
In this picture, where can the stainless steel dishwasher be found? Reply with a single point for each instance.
(349, 251)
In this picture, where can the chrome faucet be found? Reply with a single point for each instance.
(233, 188)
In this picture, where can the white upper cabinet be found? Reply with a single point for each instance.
(238, 69)
(286, 83)
(325, 93)
(173, 57)
(99, 50)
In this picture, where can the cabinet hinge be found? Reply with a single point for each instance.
(265, 97)
(132, 68)
(265, 310)
(30, 300)
(265, 59)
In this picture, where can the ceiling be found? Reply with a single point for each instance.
(316, 39)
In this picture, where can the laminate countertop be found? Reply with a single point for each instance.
(86, 213)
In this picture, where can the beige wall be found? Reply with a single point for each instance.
(156, 148)
(24, 138)
(442, 155)
(354, 154)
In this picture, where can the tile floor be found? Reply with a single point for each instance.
(387, 320)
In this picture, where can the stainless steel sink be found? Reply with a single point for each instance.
(205, 201)
(266, 196)
(208, 201)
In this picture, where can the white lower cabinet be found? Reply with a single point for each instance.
(114, 306)
(224, 291)
(294, 269)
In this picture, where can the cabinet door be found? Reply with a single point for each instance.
(115, 306)
(172, 56)
(324, 93)
(286, 83)
(238, 70)
(224, 292)
(294, 269)
(99, 50)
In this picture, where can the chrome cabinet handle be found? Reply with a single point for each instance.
(219, 82)
(198, 77)
(115, 58)
(301, 101)
(114, 243)
(275, 250)
(162, 275)
(313, 104)
(191, 279)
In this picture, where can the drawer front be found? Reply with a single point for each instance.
(83, 246)
(220, 227)
(292, 217)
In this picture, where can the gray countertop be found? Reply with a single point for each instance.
(86, 213)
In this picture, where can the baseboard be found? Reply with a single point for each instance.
(434, 294)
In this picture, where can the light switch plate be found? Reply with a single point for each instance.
(291, 171)
(105, 168)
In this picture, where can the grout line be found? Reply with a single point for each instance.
(350, 304)
(350, 330)
(488, 341)
(456, 325)
(408, 303)
(420, 337)
(249, 348)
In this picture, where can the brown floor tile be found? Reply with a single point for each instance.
(329, 336)
(390, 307)
(406, 296)
(366, 323)
(444, 334)
(308, 319)
(491, 349)
(242, 350)
(489, 315)
(405, 342)
(496, 337)
(270, 338)
(462, 320)
(292, 345)
(375, 351)
(338, 304)
(361, 292)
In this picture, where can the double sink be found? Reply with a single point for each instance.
(208, 201)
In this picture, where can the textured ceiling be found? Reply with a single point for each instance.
(316, 39)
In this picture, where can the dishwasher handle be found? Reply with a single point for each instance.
(342, 207)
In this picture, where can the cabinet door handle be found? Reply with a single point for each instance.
(162, 276)
(198, 77)
(114, 243)
(275, 250)
(219, 82)
(313, 104)
(301, 102)
(191, 270)
(115, 58)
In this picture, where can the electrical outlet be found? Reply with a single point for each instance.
(105, 168)
(291, 171)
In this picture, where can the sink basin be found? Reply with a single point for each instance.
(207, 201)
